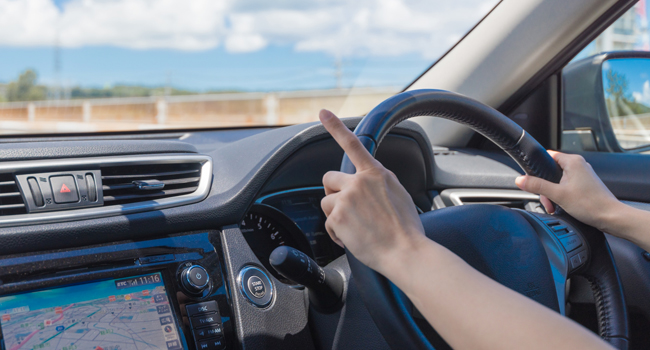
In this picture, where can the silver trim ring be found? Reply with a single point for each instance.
(257, 302)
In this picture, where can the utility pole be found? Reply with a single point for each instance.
(168, 84)
(338, 72)
(57, 67)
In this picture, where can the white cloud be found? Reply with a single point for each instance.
(343, 28)
(644, 96)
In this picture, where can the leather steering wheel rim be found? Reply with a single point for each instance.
(382, 298)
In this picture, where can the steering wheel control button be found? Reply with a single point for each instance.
(575, 261)
(256, 286)
(195, 279)
(64, 189)
(571, 243)
(583, 256)
(207, 307)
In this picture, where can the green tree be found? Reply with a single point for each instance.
(617, 85)
(25, 88)
(618, 98)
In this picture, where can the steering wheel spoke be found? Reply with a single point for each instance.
(565, 246)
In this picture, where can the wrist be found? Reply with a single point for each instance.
(402, 256)
(617, 219)
(611, 217)
(404, 266)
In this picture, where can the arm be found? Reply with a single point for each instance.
(372, 215)
(583, 195)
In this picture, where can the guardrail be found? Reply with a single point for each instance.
(186, 111)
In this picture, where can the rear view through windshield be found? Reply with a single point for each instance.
(116, 65)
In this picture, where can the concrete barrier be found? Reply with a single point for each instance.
(188, 111)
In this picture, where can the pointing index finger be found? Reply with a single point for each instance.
(355, 150)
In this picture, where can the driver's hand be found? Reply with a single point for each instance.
(580, 192)
(370, 212)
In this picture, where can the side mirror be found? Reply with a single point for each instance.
(607, 103)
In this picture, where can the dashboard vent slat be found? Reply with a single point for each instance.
(152, 175)
(166, 182)
(9, 194)
(162, 193)
(11, 201)
(11, 206)
(120, 184)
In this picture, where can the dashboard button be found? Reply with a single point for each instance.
(256, 286)
(198, 276)
(210, 332)
(207, 307)
(64, 189)
(92, 187)
(37, 195)
(571, 243)
(212, 344)
(575, 261)
(203, 321)
(195, 279)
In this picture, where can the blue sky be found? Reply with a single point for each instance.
(637, 74)
(272, 68)
(248, 45)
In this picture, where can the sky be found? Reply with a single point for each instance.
(637, 74)
(248, 45)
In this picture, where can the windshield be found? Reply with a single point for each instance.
(115, 65)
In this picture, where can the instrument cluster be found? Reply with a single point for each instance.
(291, 218)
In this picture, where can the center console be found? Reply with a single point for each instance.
(168, 293)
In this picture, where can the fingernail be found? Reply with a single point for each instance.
(324, 114)
(519, 181)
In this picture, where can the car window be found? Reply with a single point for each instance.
(112, 65)
(607, 89)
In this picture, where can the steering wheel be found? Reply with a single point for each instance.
(534, 254)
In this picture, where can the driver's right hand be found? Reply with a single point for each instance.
(370, 212)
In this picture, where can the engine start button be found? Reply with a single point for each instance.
(256, 286)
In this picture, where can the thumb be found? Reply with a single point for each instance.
(536, 185)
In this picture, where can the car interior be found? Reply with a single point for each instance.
(217, 234)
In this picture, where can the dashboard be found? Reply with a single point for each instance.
(188, 263)
(163, 242)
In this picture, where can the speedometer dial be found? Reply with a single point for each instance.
(266, 228)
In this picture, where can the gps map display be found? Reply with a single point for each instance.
(128, 313)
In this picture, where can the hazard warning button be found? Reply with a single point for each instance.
(64, 189)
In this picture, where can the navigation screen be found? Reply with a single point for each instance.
(121, 314)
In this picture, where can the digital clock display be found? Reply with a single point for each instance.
(138, 281)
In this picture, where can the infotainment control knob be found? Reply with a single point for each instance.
(195, 279)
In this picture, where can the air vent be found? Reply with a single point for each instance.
(11, 201)
(507, 198)
(136, 183)
(505, 202)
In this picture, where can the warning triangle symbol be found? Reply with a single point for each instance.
(64, 189)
